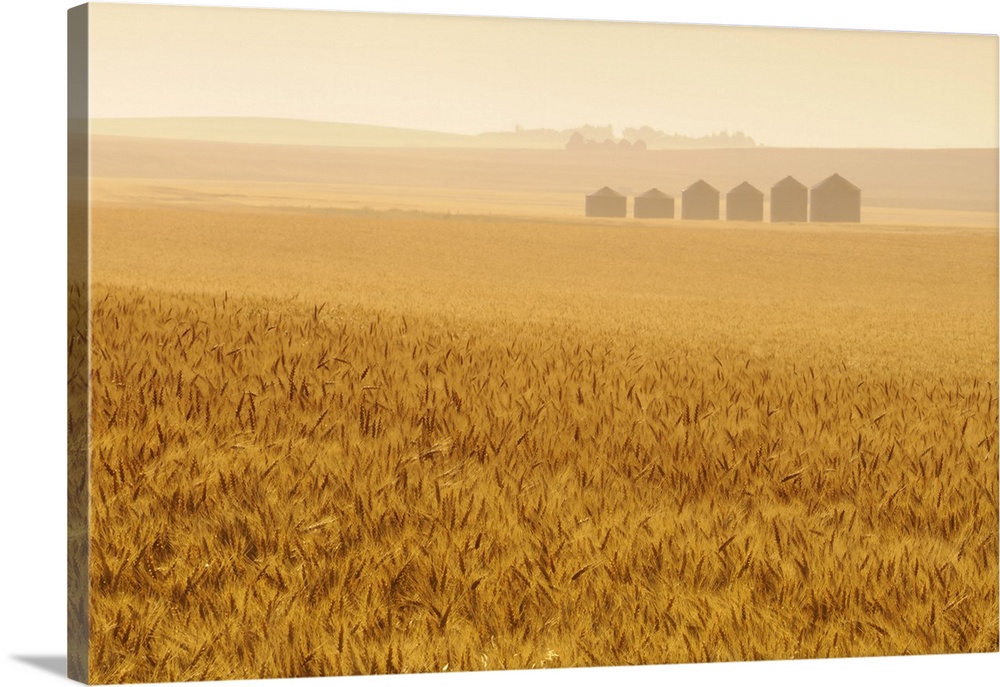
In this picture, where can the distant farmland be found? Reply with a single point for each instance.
(912, 187)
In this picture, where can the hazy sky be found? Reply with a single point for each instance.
(784, 87)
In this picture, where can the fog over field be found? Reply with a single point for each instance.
(921, 186)
(460, 114)
(467, 75)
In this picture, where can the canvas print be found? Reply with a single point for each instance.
(405, 343)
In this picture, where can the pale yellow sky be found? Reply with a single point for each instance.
(784, 87)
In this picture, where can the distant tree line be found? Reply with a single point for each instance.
(578, 142)
(589, 137)
(646, 137)
(660, 139)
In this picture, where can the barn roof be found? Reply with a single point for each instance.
(700, 186)
(605, 192)
(745, 189)
(789, 182)
(836, 181)
(654, 193)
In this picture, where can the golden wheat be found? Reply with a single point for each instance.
(474, 444)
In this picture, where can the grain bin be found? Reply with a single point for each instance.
(654, 203)
(835, 199)
(789, 201)
(605, 202)
(745, 203)
(700, 201)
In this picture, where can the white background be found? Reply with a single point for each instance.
(32, 335)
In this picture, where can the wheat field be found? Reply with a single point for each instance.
(340, 443)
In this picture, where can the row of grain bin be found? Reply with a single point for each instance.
(832, 200)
